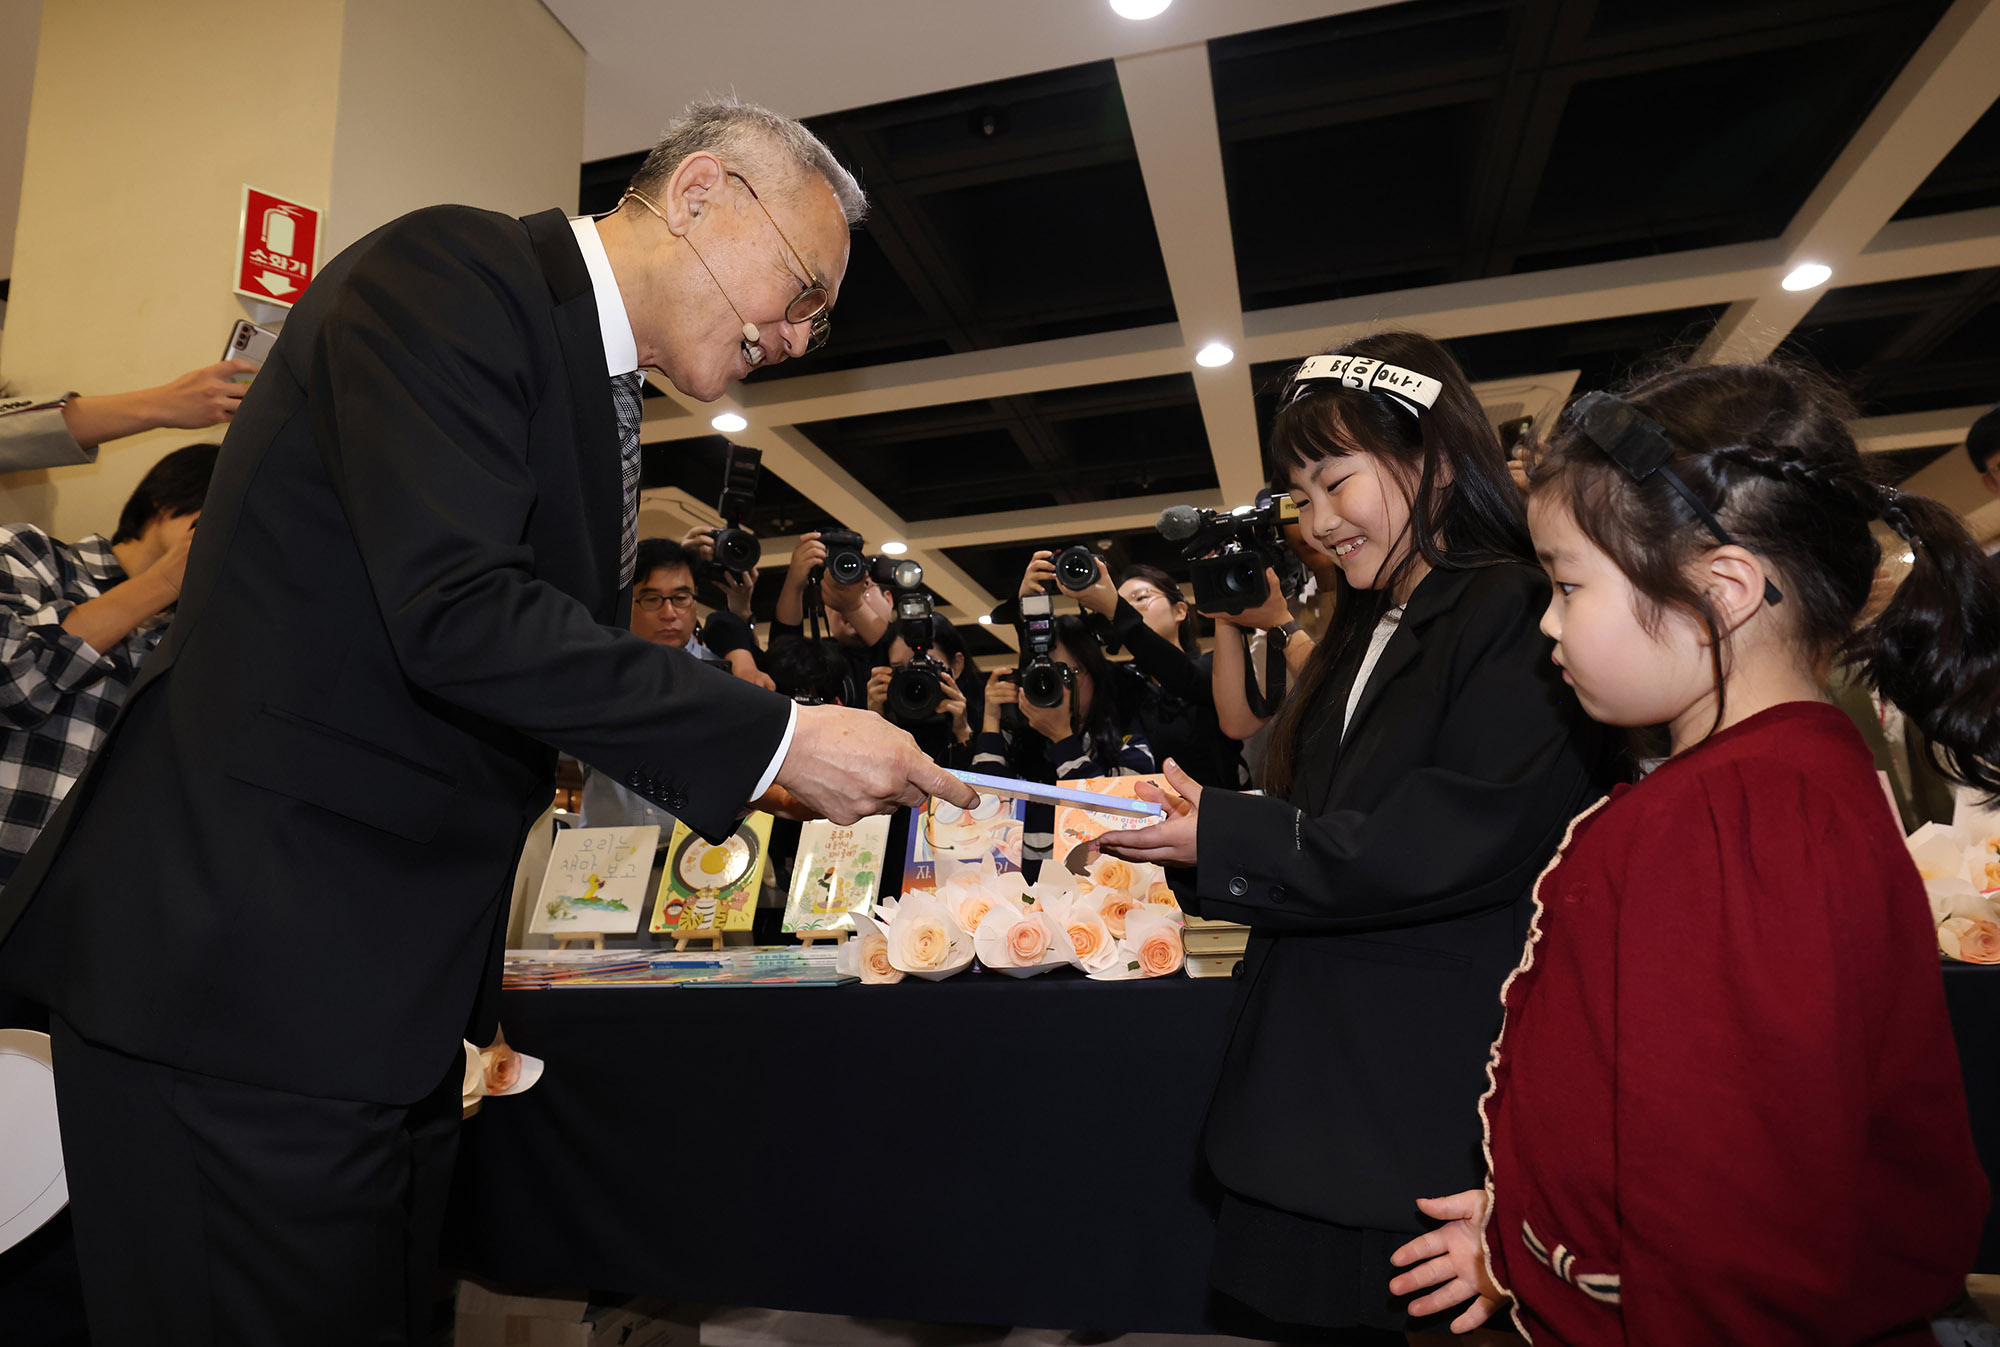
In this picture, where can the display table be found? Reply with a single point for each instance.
(973, 1151)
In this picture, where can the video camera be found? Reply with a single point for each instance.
(1043, 679)
(915, 689)
(736, 548)
(1245, 540)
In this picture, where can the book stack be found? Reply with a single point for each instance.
(1214, 948)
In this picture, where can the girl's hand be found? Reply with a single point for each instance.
(1451, 1259)
(1051, 722)
(1272, 612)
(1170, 841)
(1041, 571)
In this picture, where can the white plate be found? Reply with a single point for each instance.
(33, 1184)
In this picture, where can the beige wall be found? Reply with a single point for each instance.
(474, 101)
(148, 118)
(20, 26)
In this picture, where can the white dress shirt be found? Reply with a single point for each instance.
(621, 356)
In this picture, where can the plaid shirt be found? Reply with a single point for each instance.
(58, 696)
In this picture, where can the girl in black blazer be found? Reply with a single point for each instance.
(1420, 775)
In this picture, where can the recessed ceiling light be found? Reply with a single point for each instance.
(986, 619)
(729, 423)
(1214, 354)
(1807, 275)
(1139, 9)
(892, 548)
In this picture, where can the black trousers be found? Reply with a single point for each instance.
(209, 1212)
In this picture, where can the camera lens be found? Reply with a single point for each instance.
(1043, 682)
(1076, 568)
(847, 567)
(1244, 578)
(914, 692)
(906, 574)
(736, 550)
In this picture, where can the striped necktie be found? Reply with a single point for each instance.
(626, 401)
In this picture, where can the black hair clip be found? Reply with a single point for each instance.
(1639, 445)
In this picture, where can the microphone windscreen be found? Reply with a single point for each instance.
(1178, 523)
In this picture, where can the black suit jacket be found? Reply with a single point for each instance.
(289, 864)
(1389, 898)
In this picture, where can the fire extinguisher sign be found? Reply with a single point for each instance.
(277, 247)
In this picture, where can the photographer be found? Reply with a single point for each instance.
(727, 632)
(946, 734)
(857, 615)
(1166, 692)
(1082, 735)
(1237, 645)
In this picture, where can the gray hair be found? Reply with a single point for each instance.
(747, 136)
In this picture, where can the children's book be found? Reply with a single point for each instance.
(838, 873)
(1077, 827)
(596, 881)
(943, 834)
(705, 889)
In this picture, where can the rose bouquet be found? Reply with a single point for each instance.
(1961, 874)
(867, 955)
(1021, 941)
(925, 938)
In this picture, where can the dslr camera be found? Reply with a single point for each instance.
(736, 548)
(847, 560)
(915, 689)
(1245, 541)
(1043, 679)
(1076, 568)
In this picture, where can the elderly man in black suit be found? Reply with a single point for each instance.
(266, 915)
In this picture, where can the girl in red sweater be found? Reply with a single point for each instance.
(1726, 1106)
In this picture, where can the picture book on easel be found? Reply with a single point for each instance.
(943, 834)
(838, 873)
(707, 889)
(596, 881)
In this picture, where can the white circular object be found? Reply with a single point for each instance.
(1139, 9)
(1213, 355)
(986, 619)
(892, 548)
(1807, 275)
(729, 423)
(33, 1183)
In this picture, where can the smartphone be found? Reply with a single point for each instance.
(247, 341)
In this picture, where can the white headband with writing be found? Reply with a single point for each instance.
(1418, 392)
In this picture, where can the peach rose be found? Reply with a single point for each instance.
(1160, 954)
(920, 943)
(1970, 940)
(503, 1069)
(1027, 941)
(875, 966)
(1162, 895)
(1116, 908)
(1992, 872)
(1113, 873)
(972, 910)
(1086, 937)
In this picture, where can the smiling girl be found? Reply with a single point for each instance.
(1420, 773)
(1727, 1106)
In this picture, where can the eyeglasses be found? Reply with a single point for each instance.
(650, 601)
(812, 305)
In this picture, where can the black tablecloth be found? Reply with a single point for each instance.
(974, 1151)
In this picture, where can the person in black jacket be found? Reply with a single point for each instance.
(274, 904)
(1421, 773)
(947, 734)
(1166, 691)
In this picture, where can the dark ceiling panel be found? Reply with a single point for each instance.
(1066, 445)
(1452, 139)
(1967, 179)
(1909, 346)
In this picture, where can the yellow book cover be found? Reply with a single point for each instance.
(707, 888)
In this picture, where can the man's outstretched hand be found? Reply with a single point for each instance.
(847, 764)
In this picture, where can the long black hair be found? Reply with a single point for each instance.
(1767, 448)
(1103, 730)
(1464, 509)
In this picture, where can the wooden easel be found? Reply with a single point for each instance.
(811, 938)
(714, 939)
(588, 939)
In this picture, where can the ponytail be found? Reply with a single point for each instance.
(1934, 652)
